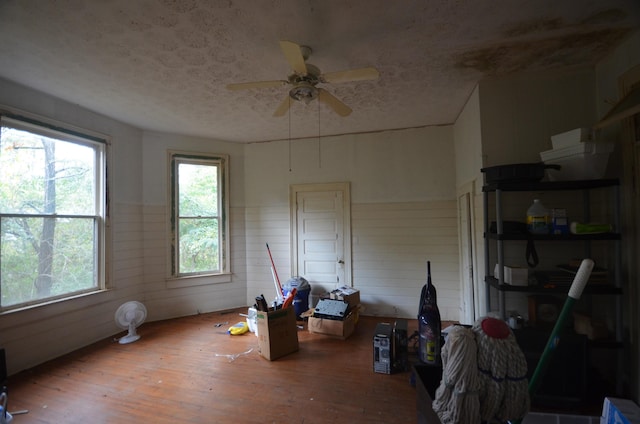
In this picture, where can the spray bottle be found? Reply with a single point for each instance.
(429, 324)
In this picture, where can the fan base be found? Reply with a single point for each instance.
(128, 338)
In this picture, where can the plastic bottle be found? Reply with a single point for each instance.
(429, 324)
(538, 218)
(238, 328)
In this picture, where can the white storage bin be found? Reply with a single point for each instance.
(513, 275)
(571, 138)
(582, 161)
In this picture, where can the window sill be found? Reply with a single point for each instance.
(197, 280)
(52, 304)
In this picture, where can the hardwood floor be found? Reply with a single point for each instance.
(180, 372)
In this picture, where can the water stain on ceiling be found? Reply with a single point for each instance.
(563, 51)
(164, 65)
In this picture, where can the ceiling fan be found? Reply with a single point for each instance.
(306, 77)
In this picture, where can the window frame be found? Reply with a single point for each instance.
(101, 144)
(175, 278)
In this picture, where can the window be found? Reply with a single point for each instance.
(52, 213)
(199, 210)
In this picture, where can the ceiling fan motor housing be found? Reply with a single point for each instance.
(304, 92)
(304, 86)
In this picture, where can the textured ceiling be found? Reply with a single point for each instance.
(164, 64)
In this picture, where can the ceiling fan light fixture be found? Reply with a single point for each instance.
(304, 92)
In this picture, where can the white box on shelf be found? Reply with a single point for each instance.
(583, 161)
(514, 275)
(572, 137)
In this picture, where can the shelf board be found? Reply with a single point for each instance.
(594, 344)
(557, 289)
(605, 344)
(550, 185)
(554, 237)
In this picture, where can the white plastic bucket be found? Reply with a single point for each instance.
(252, 320)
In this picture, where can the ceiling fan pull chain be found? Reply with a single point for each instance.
(319, 140)
(289, 134)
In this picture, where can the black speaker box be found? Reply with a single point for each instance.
(400, 346)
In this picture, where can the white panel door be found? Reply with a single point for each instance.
(322, 241)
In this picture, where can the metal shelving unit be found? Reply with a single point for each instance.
(501, 240)
(499, 189)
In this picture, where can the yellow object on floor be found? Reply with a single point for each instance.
(238, 328)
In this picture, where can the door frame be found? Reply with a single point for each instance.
(470, 292)
(345, 188)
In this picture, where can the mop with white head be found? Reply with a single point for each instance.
(484, 376)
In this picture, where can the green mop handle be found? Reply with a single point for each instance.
(575, 291)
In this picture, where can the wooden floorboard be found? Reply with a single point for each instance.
(184, 371)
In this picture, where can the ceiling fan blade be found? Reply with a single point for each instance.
(284, 107)
(362, 74)
(293, 54)
(255, 84)
(330, 100)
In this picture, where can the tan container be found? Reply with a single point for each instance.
(277, 333)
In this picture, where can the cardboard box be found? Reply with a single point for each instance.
(620, 411)
(516, 276)
(277, 333)
(335, 328)
(348, 294)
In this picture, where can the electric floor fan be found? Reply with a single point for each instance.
(129, 316)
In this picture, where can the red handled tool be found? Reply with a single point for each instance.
(276, 280)
(289, 300)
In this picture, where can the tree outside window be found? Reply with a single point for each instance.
(52, 206)
(199, 215)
